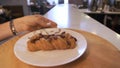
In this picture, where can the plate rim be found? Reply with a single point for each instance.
(55, 64)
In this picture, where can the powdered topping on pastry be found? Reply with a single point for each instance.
(56, 41)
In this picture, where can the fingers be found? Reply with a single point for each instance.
(44, 22)
(35, 22)
(51, 24)
(40, 26)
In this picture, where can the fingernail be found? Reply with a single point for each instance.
(49, 23)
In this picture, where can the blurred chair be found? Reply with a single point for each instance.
(35, 9)
(16, 10)
(60, 1)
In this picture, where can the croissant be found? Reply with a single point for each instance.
(60, 41)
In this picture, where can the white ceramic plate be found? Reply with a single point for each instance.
(49, 58)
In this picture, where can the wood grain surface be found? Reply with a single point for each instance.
(99, 54)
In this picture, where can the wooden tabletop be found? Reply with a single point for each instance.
(99, 54)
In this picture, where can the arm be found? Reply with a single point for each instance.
(26, 23)
(5, 31)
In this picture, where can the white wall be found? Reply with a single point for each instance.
(56, 1)
(51, 1)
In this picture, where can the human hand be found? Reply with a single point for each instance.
(33, 22)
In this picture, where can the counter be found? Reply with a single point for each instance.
(67, 16)
(99, 54)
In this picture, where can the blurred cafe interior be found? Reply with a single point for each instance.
(95, 24)
(97, 9)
